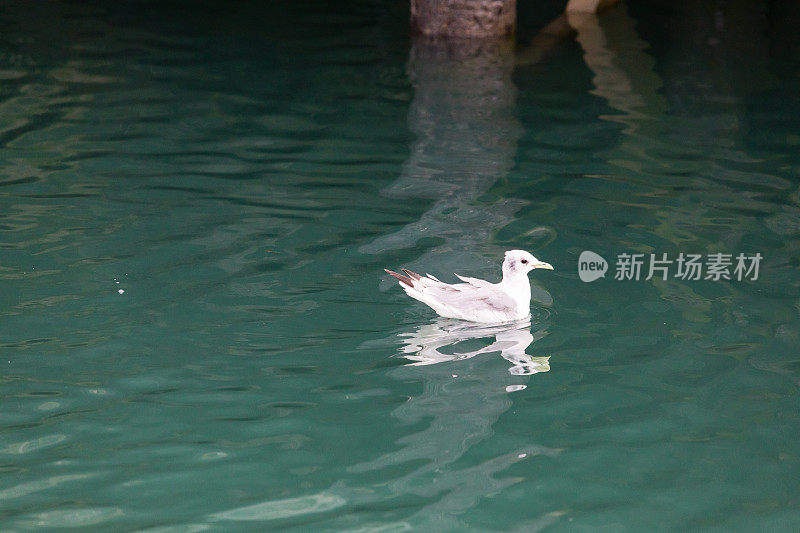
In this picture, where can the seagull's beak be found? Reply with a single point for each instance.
(547, 266)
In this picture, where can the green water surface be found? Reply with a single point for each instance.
(197, 201)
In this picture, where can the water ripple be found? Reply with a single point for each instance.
(80, 517)
(33, 445)
(276, 509)
(24, 489)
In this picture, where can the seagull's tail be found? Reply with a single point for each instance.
(403, 279)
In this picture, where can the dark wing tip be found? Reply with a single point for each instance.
(402, 278)
(412, 275)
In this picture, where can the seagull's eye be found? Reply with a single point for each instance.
(524, 261)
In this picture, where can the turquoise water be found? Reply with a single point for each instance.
(196, 333)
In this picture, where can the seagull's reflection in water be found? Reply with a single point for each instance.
(441, 340)
(458, 389)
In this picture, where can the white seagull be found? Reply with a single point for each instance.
(477, 300)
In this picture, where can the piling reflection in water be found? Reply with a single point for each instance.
(462, 116)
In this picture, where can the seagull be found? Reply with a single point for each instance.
(477, 300)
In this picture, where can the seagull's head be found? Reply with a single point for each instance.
(521, 262)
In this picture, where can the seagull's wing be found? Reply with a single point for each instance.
(412, 275)
(463, 300)
(475, 299)
(479, 283)
(469, 298)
